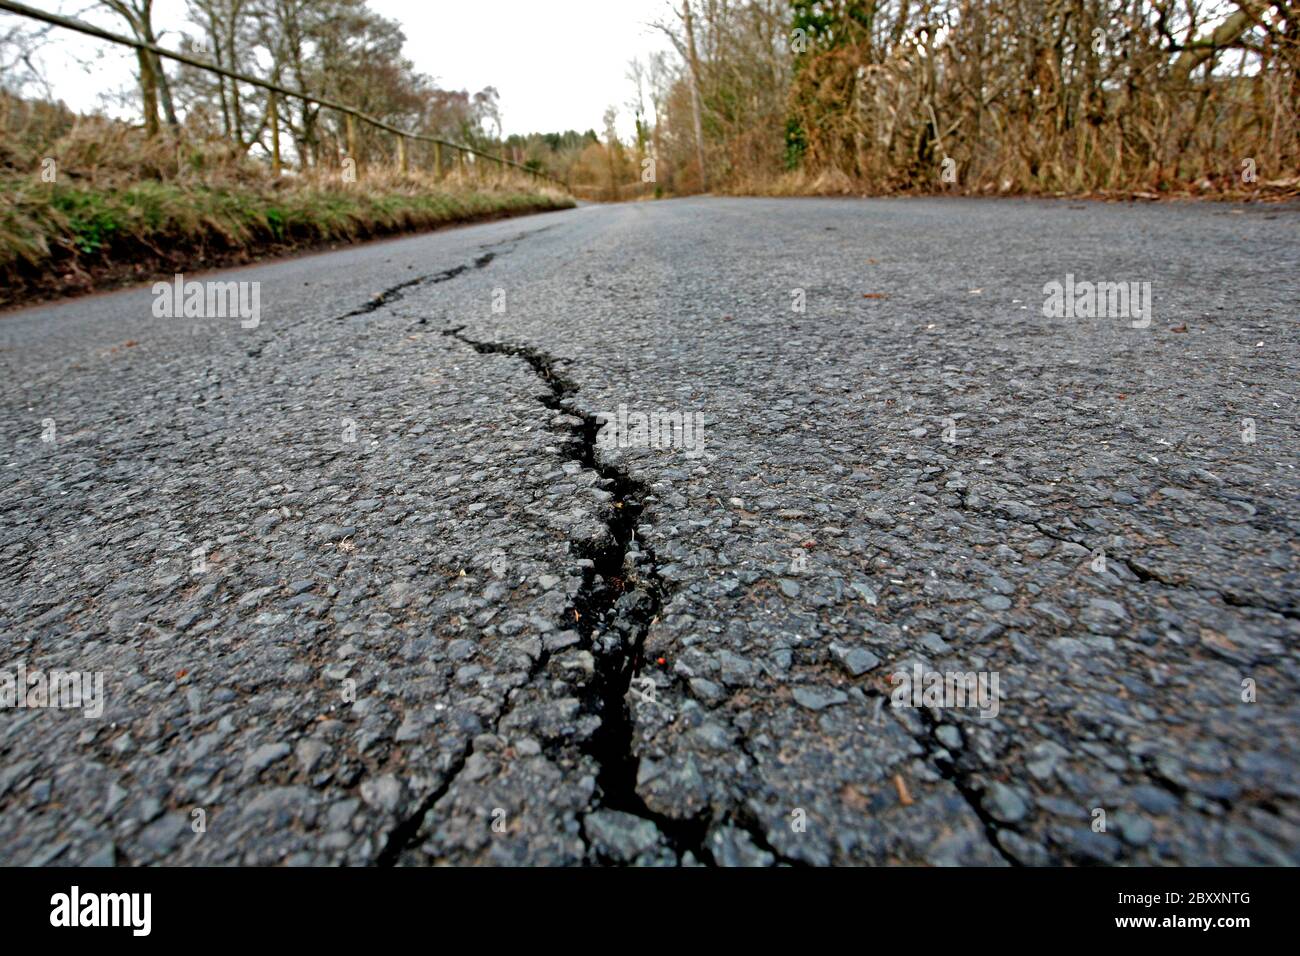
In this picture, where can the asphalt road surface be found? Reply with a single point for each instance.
(365, 586)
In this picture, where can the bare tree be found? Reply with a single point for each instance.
(138, 15)
(693, 61)
(19, 44)
(982, 95)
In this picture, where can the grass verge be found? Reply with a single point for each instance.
(65, 238)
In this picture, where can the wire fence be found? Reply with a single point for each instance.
(351, 113)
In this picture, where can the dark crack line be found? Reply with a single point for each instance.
(743, 818)
(958, 775)
(388, 296)
(615, 601)
(1235, 599)
(398, 292)
(513, 241)
(619, 599)
(1146, 573)
(407, 831)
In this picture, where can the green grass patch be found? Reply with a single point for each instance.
(77, 225)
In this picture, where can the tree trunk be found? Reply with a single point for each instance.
(165, 92)
(148, 92)
(226, 125)
(695, 93)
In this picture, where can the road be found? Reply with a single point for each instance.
(365, 586)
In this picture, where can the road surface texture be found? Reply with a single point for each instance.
(364, 589)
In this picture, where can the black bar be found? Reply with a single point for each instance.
(912, 907)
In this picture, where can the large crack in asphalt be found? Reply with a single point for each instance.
(392, 294)
(396, 293)
(619, 599)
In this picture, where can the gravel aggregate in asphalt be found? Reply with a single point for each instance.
(367, 586)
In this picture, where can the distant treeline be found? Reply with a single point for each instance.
(332, 49)
(1039, 96)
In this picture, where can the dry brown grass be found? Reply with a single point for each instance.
(124, 205)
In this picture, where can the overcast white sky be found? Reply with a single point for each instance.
(556, 63)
